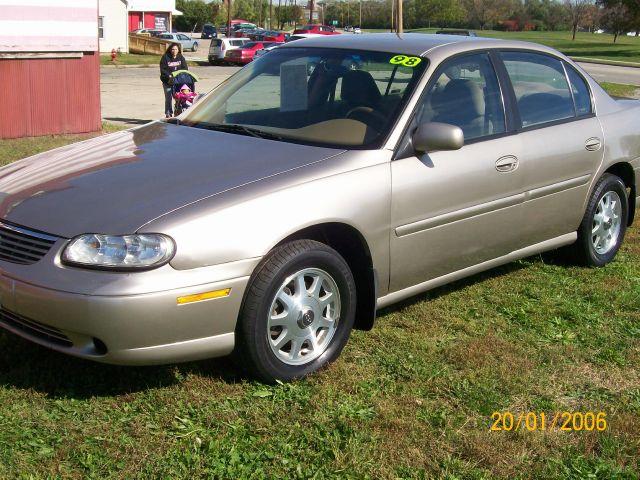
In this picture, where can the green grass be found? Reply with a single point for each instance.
(586, 45)
(410, 399)
(621, 90)
(131, 59)
(15, 149)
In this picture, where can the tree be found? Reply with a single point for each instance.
(484, 12)
(616, 18)
(195, 13)
(576, 9)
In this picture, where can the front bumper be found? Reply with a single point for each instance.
(142, 328)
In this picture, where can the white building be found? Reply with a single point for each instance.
(113, 31)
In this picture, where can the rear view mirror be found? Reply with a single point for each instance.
(433, 136)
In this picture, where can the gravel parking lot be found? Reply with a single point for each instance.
(134, 95)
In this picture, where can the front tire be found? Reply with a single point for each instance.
(298, 312)
(604, 224)
(195, 47)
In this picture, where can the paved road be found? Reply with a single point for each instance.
(134, 95)
(611, 73)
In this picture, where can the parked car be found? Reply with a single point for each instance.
(463, 33)
(187, 43)
(244, 54)
(282, 210)
(300, 36)
(319, 29)
(265, 50)
(270, 36)
(209, 31)
(348, 28)
(249, 32)
(220, 46)
(148, 32)
(357, 30)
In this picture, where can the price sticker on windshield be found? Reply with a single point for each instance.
(405, 60)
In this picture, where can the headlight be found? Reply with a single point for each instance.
(119, 252)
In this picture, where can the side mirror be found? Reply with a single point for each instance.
(437, 136)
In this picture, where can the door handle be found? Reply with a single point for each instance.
(592, 144)
(508, 163)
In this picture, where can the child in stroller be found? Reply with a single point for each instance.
(185, 97)
(184, 91)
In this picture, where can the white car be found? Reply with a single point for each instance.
(220, 46)
(357, 30)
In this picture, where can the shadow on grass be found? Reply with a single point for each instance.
(472, 280)
(130, 121)
(24, 365)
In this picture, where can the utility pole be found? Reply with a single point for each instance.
(228, 18)
(311, 5)
(360, 18)
(270, 12)
(279, 12)
(393, 14)
(399, 20)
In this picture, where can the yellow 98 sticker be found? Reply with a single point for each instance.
(405, 60)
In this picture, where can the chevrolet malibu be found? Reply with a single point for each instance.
(330, 178)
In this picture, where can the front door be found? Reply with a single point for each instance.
(455, 209)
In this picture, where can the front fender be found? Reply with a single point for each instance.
(247, 222)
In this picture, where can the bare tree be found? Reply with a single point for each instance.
(577, 10)
(484, 12)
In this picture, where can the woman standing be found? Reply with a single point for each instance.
(171, 61)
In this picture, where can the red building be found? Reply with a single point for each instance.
(50, 68)
(152, 14)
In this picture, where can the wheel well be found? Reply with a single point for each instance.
(349, 243)
(625, 172)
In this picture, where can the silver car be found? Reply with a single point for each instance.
(291, 203)
(186, 42)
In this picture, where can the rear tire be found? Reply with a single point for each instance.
(298, 312)
(195, 47)
(604, 224)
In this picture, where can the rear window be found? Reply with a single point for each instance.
(216, 43)
(251, 44)
(236, 43)
(580, 90)
(540, 86)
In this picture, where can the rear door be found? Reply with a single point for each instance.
(562, 141)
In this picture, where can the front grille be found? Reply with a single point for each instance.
(36, 329)
(20, 245)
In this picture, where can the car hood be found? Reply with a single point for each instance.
(116, 183)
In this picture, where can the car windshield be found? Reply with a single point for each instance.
(317, 96)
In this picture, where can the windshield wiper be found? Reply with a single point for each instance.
(239, 129)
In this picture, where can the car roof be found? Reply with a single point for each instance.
(418, 44)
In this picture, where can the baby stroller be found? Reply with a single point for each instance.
(180, 78)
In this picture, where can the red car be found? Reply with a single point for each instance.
(320, 29)
(245, 54)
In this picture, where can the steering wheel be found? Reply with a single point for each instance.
(368, 116)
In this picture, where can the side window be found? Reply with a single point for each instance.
(541, 87)
(580, 90)
(466, 93)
